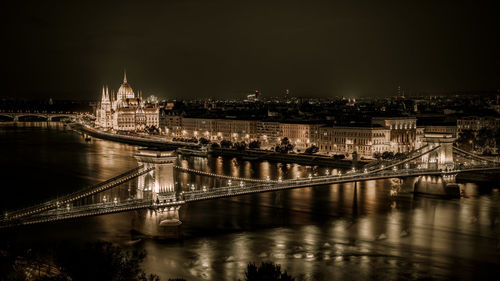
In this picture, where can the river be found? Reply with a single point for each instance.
(369, 231)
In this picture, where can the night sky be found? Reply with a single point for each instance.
(213, 48)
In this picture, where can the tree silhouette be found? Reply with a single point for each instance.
(267, 271)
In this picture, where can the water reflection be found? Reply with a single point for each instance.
(374, 230)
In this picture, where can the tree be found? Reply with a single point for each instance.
(485, 139)
(101, 261)
(377, 155)
(285, 141)
(240, 145)
(312, 149)
(267, 271)
(388, 155)
(226, 144)
(285, 146)
(254, 144)
(214, 145)
(399, 156)
(203, 141)
(466, 140)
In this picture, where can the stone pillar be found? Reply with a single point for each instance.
(160, 223)
(443, 186)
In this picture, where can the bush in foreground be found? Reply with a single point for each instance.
(267, 271)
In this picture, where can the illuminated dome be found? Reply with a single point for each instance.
(125, 91)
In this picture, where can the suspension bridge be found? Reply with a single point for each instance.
(437, 158)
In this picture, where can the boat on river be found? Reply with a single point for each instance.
(202, 152)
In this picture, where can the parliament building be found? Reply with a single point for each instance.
(125, 111)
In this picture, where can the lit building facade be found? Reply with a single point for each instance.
(477, 123)
(403, 132)
(219, 129)
(365, 141)
(125, 111)
(302, 135)
(268, 132)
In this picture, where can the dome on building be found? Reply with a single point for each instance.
(125, 91)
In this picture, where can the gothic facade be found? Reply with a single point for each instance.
(125, 111)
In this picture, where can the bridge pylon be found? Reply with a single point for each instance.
(442, 158)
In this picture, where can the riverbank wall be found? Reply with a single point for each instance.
(272, 156)
(133, 140)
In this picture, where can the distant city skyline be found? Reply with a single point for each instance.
(222, 49)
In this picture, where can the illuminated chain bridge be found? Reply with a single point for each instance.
(438, 158)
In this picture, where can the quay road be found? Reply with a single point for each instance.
(134, 140)
(151, 141)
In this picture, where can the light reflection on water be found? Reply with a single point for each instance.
(347, 231)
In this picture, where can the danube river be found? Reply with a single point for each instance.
(374, 231)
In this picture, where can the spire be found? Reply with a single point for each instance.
(124, 77)
(103, 94)
(107, 94)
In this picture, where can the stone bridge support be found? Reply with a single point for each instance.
(158, 186)
(444, 186)
(161, 223)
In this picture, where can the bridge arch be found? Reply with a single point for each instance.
(21, 117)
(7, 116)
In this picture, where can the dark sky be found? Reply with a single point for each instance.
(213, 48)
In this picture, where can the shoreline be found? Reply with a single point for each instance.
(251, 155)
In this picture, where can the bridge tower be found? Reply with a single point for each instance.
(442, 158)
(159, 186)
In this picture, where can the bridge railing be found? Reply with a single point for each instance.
(472, 155)
(80, 211)
(69, 197)
(292, 183)
(227, 191)
(409, 154)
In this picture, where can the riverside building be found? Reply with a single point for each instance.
(125, 111)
